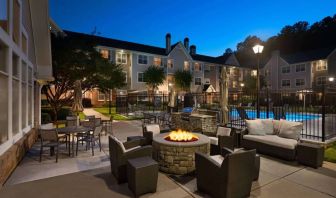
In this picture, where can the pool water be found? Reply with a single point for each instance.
(297, 116)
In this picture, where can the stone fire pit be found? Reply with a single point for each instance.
(178, 157)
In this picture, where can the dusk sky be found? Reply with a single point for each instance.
(212, 25)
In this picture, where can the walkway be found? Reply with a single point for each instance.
(90, 111)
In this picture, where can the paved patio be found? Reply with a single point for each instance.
(87, 176)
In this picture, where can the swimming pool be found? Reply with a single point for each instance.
(297, 116)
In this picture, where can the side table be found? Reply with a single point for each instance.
(310, 154)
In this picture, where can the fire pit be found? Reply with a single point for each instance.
(175, 151)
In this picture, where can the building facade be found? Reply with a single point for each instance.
(300, 71)
(136, 58)
(25, 63)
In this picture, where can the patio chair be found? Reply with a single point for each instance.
(165, 119)
(90, 117)
(225, 137)
(49, 138)
(231, 177)
(98, 122)
(107, 125)
(91, 139)
(279, 113)
(148, 119)
(120, 152)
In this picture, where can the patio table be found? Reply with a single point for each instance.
(155, 115)
(71, 131)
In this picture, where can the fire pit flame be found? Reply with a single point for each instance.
(181, 136)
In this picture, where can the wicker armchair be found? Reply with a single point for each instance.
(121, 152)
(232, 178)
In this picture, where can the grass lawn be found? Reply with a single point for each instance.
(105, 111)
(330, 153)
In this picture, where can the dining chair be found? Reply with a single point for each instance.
(49, 138)
(91, 139)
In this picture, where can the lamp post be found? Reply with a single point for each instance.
(330, 79)
(241, 90)
(258, 50)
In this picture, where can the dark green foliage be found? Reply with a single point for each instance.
(45, 118)
(61, 114)
(183, 79)
(154, 77)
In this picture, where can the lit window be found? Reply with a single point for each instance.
(285, 69)
(141, 77)
(320, 65)
(234, 84)
(198, 81)
(105, 53)
(321, 80)
(254, 73)
(285, 83)
(143, 59)
(300, 67)
(121, 58)
(299, 82)
(170, 63)
(157, 61)
(186, 66)
(197, 67)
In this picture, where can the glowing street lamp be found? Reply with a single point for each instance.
(257, 49)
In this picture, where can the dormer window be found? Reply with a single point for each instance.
(157, 61)
(197, 67)
(170, 63)
(320, 65)
(105, 53)
(186, 66)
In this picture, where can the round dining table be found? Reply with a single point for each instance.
(71, 131)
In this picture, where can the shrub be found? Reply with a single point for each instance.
(45, 118)
(65, 111)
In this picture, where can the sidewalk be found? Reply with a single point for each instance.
(90, 111)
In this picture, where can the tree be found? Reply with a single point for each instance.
(183, 79)
(228, 51)
(77, 59)
(250, 83)
(154, 77)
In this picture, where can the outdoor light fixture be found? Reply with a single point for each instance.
(331, 79)
(242, 84)
(170, 84)
(258, 49)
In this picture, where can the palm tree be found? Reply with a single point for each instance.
(183, 79)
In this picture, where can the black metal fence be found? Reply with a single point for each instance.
(315, 109)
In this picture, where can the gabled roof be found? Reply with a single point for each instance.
(108, 42)
(310, 55)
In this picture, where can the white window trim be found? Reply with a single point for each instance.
(301, 71)
(200, 65)
(195, 80)
(286, 86)
(326, 65)
(188, 65)
(100, 100)
(172, 62)
(138, 77)
(156, 57)
(142, 63)
(304, 82)
(286, 72)
(121, 53)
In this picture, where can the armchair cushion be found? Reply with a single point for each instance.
(255, 127)
(120, 144)
(273, 140)
(217, 158)
(276, 126)
(290, 130)
(47, 126)
(213, 140)
(154, 128)
(223, 131)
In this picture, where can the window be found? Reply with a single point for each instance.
(285, 69)
(207, 68)
(142, 59)
(198, 81)
(254, 73)
(141, 77)
(300, 67)
(24, 44)
(3, 57)
(299, 82)
(157, 61)
(24, 96)
(16, 69)
(186, 66)
(234, 84)
(101, 96)
(16, 22)
(105, 53)
(321, 80)
(4, 14)
(320, 65)
(285, 83)
(121, 58)
(197, 67)
(170, 63)
(234, 71)
(15, 106)
(4, 111)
